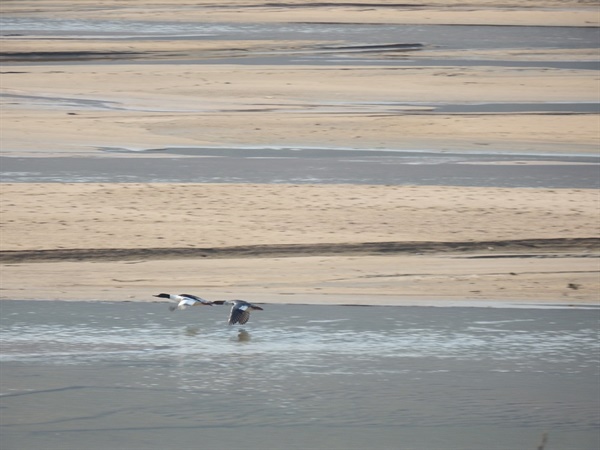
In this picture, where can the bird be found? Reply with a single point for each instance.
(240, 310)
(184, 300)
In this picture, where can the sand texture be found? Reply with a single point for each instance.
(70, 95)
(304, 243)
(88, 216)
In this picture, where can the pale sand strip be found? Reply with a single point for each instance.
(490, 12)
(96, 105)
(55, 216)
(367, 280)
(91, 215)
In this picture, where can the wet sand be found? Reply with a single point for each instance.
(157, 106)
(334, 74)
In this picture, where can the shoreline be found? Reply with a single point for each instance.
(397, 303)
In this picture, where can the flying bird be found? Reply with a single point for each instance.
(184, 300)
(240, 310)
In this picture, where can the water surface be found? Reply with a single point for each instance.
(305, 165)
(133, 376)
(347, 36)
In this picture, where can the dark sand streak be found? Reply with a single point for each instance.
(298, 250)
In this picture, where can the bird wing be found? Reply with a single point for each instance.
(244, 317)
(186, 302)
(196, 299)
(239, 314)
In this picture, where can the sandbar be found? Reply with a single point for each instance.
(342, 244)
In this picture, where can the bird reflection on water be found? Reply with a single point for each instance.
(243, 336)
(192, 331)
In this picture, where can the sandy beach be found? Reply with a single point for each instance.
(63, 96)
(346, 244)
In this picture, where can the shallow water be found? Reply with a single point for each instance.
(351, 34)
(264, 165)
(132, 376)
(442, 36)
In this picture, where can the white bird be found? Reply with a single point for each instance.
(240, 310)
(184, 300)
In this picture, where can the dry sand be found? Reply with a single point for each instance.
(515, 245)
(309, 243)
(134, 216)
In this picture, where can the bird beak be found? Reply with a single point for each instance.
(258, 307)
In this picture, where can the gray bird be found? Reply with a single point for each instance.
(240, 310)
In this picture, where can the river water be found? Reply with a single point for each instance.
(299, 166)
(336, 43)
(439, 36)
(136, 376)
